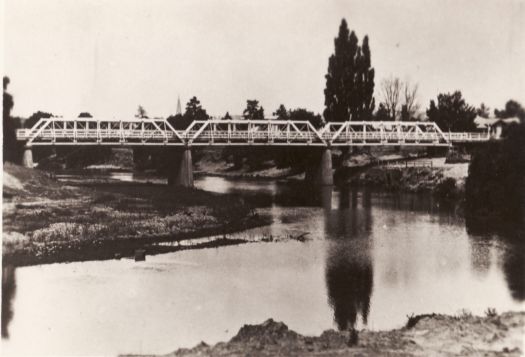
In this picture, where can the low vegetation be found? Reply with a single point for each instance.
(45, 221)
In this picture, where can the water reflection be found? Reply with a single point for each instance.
(510, 236)
(349, 272)
(371, 258)
(514, 269)
(8, 293)
(349, 280)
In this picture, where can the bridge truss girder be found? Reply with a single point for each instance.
(159, 132)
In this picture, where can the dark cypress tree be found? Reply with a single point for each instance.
(350, 79)
(368, 73)
(282, 113)
(336, 93)
(352, 82)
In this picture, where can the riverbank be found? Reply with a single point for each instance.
(386, 171)
(46, 221)
(421, 175)
(424, 335)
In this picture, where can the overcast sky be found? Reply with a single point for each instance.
(107, 57)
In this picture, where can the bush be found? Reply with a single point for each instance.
(494, 187)
(446, 189)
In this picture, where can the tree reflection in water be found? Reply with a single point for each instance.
(349, 272)
(8, 293)
(512, 234)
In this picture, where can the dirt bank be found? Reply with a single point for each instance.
(47, 221)
(426, 335)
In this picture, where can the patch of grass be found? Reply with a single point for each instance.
(464, 314)
(491, 312)
(414, 319)
(104, 198)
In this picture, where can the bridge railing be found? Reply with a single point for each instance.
(467, 137)
(58, 131)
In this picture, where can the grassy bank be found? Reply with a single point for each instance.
(46, 221)
(446, 181)
(424, 335)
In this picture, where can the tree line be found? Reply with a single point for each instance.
(349, 95)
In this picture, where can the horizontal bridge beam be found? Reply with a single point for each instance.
(157, 132)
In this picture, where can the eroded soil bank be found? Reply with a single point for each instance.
(424, 335)
(46, 221)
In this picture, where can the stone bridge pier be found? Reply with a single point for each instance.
(27, 157)
(181, 170)
(319, 171)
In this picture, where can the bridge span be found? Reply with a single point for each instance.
(216, 132)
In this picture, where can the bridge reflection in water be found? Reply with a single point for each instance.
(213, 132)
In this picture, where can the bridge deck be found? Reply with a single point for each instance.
(155, 132)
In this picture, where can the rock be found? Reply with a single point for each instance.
(140, 255)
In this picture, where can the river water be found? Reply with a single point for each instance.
(369, 260)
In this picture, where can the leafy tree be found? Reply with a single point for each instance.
(253, 111)
(281, 113)
(512, 109)
(350, 79)
(382, 113)
(483, 111)
(35, 117)
(494, 188)
(141, 113)
(177, 121)
(405, 114)
(452, 113)
(85, 115)
(194, 110)
(8, 102)
(11, 147)
(304, 114)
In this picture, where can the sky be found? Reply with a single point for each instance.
(108, 57)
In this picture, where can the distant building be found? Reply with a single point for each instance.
(494, 126)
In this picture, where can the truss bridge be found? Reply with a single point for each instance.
(215, 132)
(152, 132)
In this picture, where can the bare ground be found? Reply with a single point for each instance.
(425, 335)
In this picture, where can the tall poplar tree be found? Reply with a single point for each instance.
(367, 90)
(350, 79)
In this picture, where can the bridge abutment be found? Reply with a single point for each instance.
(182, 172)
(27, 157)
(320, 171)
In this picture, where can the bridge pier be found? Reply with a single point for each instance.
(320, 172)
(27, 157)
(182, 172)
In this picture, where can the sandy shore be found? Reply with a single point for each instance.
(424, 335)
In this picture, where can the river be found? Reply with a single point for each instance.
(370, 259)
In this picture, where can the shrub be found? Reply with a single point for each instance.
(494, 187)
(446, 189)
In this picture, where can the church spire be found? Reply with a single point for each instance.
(179, 109)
